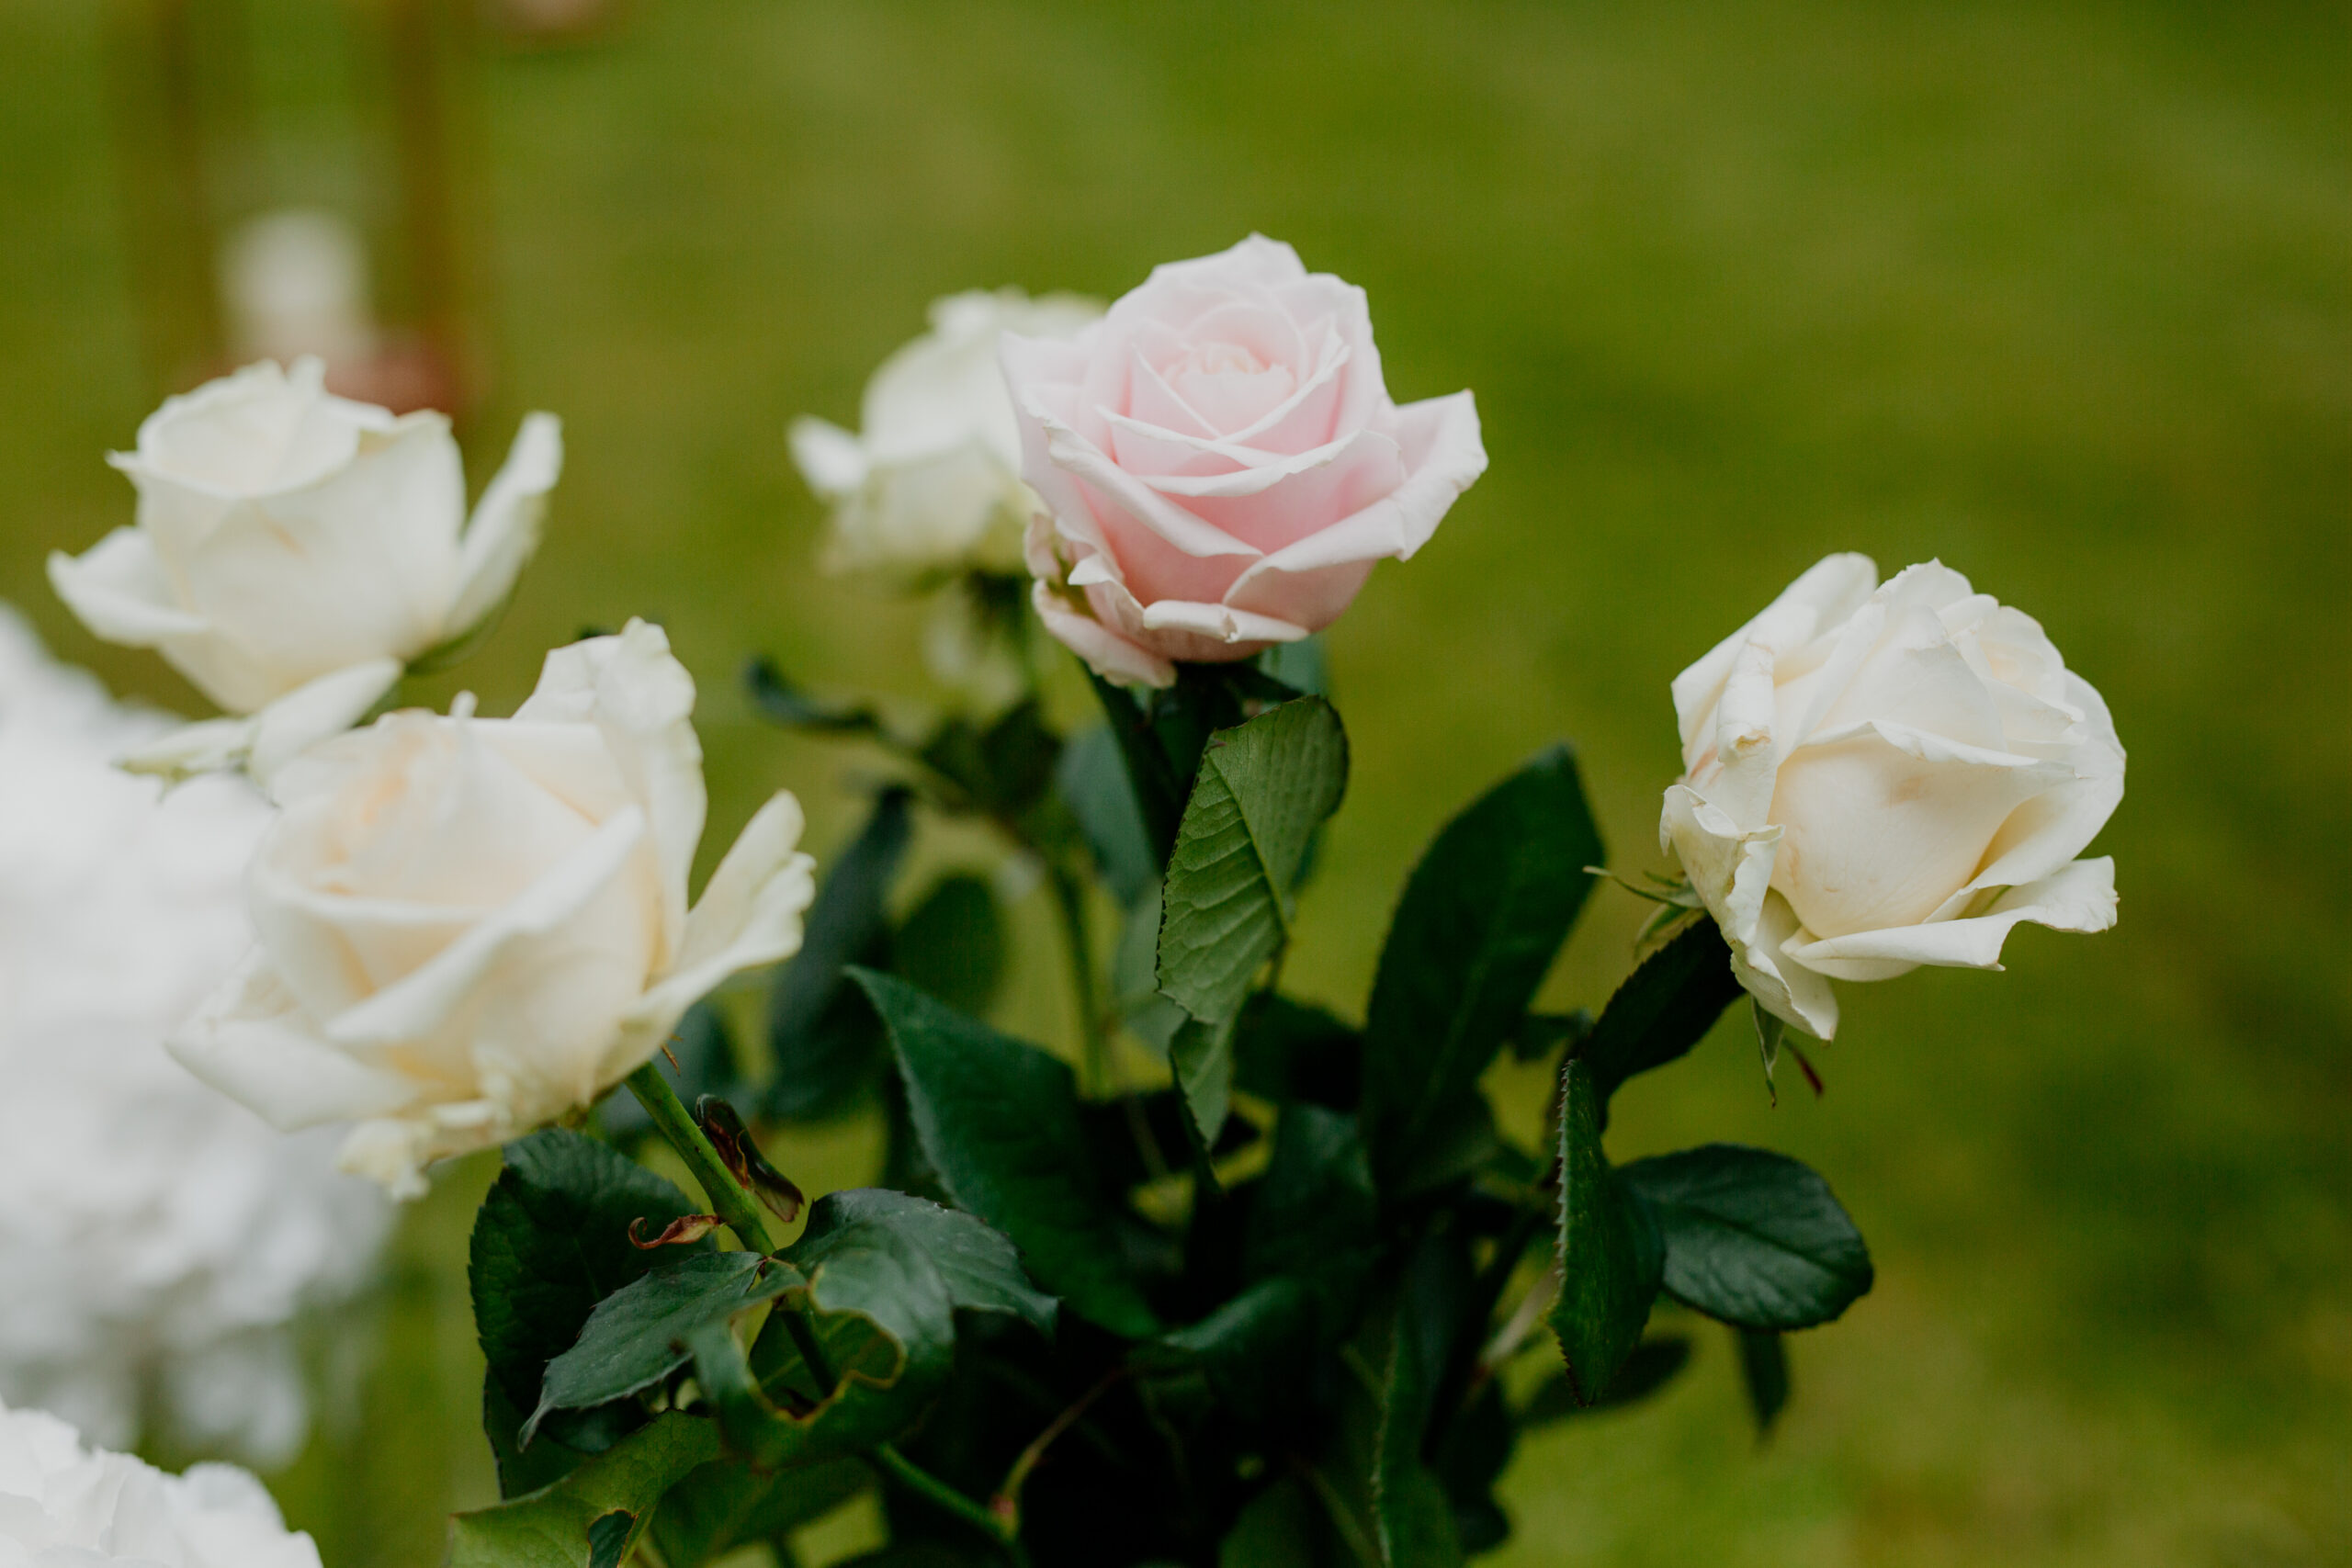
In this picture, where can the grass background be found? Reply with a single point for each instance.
(2060, 294)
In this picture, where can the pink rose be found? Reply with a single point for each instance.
(1221, 465)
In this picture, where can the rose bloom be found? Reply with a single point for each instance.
(1880, 777)
(1221, 465)
(156, 1240)
(469, 927)
(932, 484)
(62, 1506)
(294, 550)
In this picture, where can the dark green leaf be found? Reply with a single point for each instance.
(1280, 1528)
(1263, 788)
(1753, 1238)
(1482, 917)
(546, 1461)
(1609, 1259)
(997, 1120)
(1157, 788)
(726, 1503)
(1540, 1033)
(953, 945)
(1412, 1517)
(1664, 1007)
(1654, 1364)
(636, 1336)
(1289, 1051)
(1469, 1460)
(1301, 666)
(1452, 1147)
(777, 697)
(551, 1241)
(979, 1267)
(1201, 1055)
(1256, 1347)
(551, 1528)
(1315, 1202)
(885, 1325)
(1119, 1131)
(1092, 779)
(822, 1041)
(1764, 1371)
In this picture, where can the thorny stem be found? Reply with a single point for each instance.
(923, 1485)
(671, 1119)
(1006, 1504)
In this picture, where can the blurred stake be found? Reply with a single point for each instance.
(154, 70)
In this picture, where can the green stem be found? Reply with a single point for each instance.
(922, 1483)
(728, 1199)
(1069, 899)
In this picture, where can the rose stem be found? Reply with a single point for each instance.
(920, 1481)
(737, 1208)
(728, 1198)
(1070, 898)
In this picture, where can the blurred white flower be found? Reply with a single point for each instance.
(932, 483)
(470, 926)
(295, 283)
(63, 1505)
(155, 1239)
(294, 550)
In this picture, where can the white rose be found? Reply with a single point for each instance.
(1882, 777)
(294, 550)
(156, 1240)
(932, 483)
(469, 927)
(62, 1506)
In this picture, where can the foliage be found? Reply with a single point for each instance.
(1256, 1313)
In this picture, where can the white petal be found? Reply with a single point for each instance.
(1219, 622)
(1789, 991)
(214, 746)
(2076, 897)
(749, 914)
(119, 589)
(830, 459)
(505, 526)
(1830, 591)
(1729, 867)
(252, 1041)
(310, 713)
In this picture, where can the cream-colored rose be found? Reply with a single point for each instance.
(294, 550)
(1221, 463)
(1882, 777)
(932, 484)
(467, 927)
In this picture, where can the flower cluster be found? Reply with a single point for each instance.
(64, 1505)
(154, 1236)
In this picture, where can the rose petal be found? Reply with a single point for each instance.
(505, 529)
(2079, 896)
(119, 589)
(1112, 657)
(251, 1041)
(1828, 594)
(311, 713)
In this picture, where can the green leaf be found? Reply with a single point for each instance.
(1201, 1055)
(1764, 1373)
(1092, 779)
(1753, 1238)
(980, 1266)
(1451, 1148)
(519, 1471)
(1664, 1008)
(1412, 1517)
(779, 698)
(1653, 1364)
(1289, 1051)
(1470, 1458)
(595, 1516)
(1610, 1252)
(550, 1241)
(1159, 790)
(885, 1322)
(1315, 1202)
(1302, 666)
(636, 1336)
(1262, 789)
(726, 1503)
(1482, 917)
(953, 945)
(1257, 1349)
(1280, 1528)
(822, 1041)
(1002, 770)
(998, 1121)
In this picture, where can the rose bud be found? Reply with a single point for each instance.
(1221, 465)
(294, 550)
(469, 927)
(1882, 777)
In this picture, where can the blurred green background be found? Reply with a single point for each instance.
(2060, 294)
